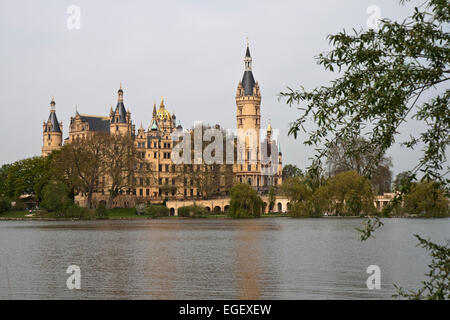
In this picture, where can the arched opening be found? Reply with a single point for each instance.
(280, 207)
(172, 212)
(288, 206)
(226, 208)
(208, 209)
(217, 209)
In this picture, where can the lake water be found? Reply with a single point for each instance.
(270, 258)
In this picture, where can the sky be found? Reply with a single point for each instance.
(189, 52)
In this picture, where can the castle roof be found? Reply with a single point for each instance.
(99, 124)
(54, 121)
(248, 82)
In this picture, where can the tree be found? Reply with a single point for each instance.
(5, 204)
(56, 197)
(426, 199)
(357, 154)
(290, 170)
(28, 176)
(386, 78)
(80, 163)
(438, 285)
(210, 179)
(351, 193)
(245, 202)
(120, 163)
(402, 181)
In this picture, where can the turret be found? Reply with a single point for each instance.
(52, 132)
(120, 119)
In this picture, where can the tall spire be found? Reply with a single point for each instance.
(162, 102)
(52, 119)
(248, 59)
(248, 81)
(120, 106)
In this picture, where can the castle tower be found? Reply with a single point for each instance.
(248, 117)
(120, 119)
(52, 132)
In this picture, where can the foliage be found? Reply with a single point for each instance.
(72, 211)
(358, 155)
(347, 193)
(28, 176)
(438, 285)
(101, 212)
(157, 211)
(193, 211)
(56, 197)
(272, 197)
(210, 179)
(426, 199)
(370, 226)
(402, 182)
(5, 204)
(245, 202)
(385, 79)
(120, 162)
(140, 208)
(290, 170)
(79, 164)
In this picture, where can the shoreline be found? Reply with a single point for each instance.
(218, 217)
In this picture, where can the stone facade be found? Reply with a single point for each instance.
(155, 146)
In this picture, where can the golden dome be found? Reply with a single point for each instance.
(269, 128)
(163, 114)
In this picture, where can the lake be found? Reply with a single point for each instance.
(268, 258)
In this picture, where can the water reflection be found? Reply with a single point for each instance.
(211, 259)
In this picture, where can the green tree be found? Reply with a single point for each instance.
(351, 194)
(56, 197)
(28, 176)
(357, 154)
(437, 287)
(291, 170)
(120, 162)
(5, 204)
(80, 164)
(245, 202)
(386, 78)
(426, 199)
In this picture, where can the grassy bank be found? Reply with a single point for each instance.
(112, 214)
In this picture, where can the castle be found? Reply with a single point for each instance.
(155, 145)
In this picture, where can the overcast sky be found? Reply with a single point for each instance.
(190, 52)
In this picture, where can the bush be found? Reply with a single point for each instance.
(101, 211)
(75, 211)
(56, 197)
(157, 211)
(140, 208)
(426, 199)
(193, 211)
(5, 204)
(245, 202)
(19, 206)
